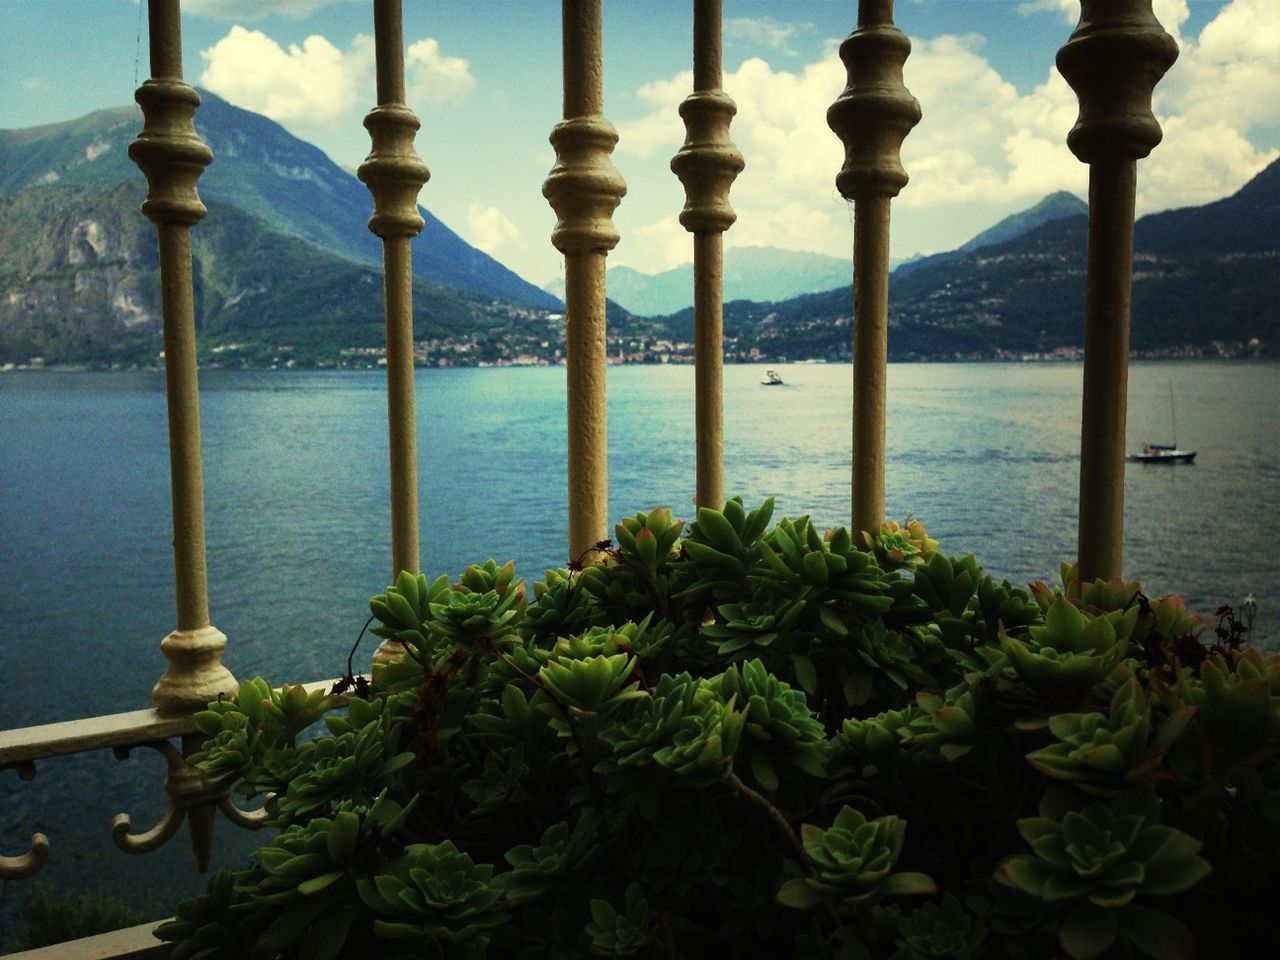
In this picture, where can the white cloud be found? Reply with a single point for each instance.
(254, 9)
(310, 84)
(489, 229)
(433, 78)
(762, 31)
(316, 84)
(981, 140)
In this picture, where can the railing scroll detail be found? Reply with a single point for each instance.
(872, 117)
(707, 165)
(1113, 60)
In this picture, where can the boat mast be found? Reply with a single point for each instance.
(1173, 415)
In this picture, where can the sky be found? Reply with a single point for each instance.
(484, 77)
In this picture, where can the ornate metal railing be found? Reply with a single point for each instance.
(1113, 60)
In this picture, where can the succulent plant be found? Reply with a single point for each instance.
(941, 930)
(744, 626)
(853, 861)
(467, 620)
(721, 546)
(1106, 754)
(947, 585)
(625, 933)
(1096, 859)
(1072, 651)
(683, 726)
(404, 611)
(258, 719)
(901, 545)
(1237, 707)
(780, 729)
(828, 570)
(713, 745)
(873, 740)
(434, 897)
(948, 723)
(561, 606)
(557, 854)
(590, 689)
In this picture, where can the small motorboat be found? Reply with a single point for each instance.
(771, 379)
(1162, 453)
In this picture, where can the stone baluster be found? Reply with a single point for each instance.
(584, 188)
(707, 165)
(394, 174)
(1113, 60)
(872, 117)
(172, 155)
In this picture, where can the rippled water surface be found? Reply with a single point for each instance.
(296, 494)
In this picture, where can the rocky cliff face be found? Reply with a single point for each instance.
(79, 276)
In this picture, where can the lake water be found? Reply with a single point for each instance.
(297, 516)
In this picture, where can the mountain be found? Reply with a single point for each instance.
(750, 273)
(261, 168)
(1206, 281)
(767, 274)
(84, 287)
(1056, 206)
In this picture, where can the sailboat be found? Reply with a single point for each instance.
(1164, 452)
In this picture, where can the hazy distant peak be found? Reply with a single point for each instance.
(1056, 206)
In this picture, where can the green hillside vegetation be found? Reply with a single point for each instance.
(261, 168)
(85, 289)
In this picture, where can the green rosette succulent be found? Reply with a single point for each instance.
(488, 576)
(853, 862)
(587, 690)
(947, 585)
(203, 926)
(648, 540)
(352, 764)
(1093, 860)
(1071, 651)
(682, 726)
(746, 626)
(404, 611)
(561, 607)
(258, 720)
(875, 740)
(899, 546)
(780, 729)
(829, 571)
(621, 933)
(721, 548)
(1237, 704)
(463, 621)
(561, 852)
(434, 897)
(947, 723)
(941, 931)
(1003, 606)
(1104, 754)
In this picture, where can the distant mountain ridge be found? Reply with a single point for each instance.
(769, 274)
(750, 273)
(261, 168)
(286, 272)
(1206, 282)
